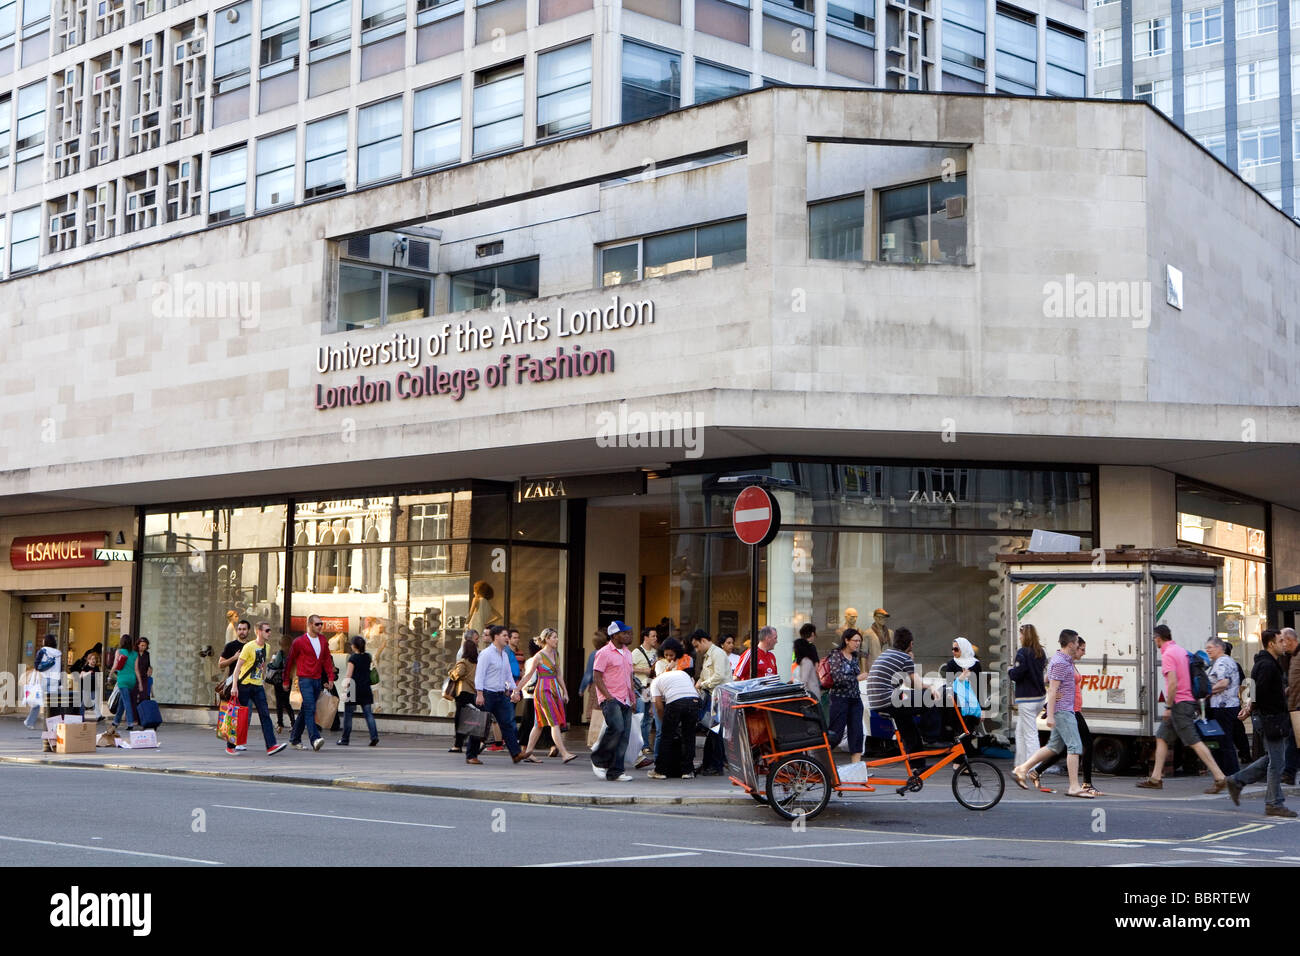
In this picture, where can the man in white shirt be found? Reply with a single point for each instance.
(676, 703)
(494, 683)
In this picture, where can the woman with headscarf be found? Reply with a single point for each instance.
(963, 666)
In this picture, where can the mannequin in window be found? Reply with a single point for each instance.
(481, 611)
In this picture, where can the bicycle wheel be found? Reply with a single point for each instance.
(798, 786)
(978, 784)
(759, 796)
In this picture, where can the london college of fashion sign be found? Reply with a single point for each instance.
(421, 377)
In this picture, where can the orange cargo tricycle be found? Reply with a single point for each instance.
(777, 749)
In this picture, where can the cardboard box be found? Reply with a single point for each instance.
(77, 738)
(52, 726)
(139, 740)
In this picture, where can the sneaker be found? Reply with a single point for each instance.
(272, 751)
(710, 772)
(297, 746)
(645, 760)
(600, 774)
(494, 748)
(374, 743)
(654, 775)
(1149, 784)
(688, 776)
(625, 778)
(232, 751)
(340, 743)
(1234, 790)
(317, 743)
(1279, 810)
(240, 747)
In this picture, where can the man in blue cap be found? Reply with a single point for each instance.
(611, 675)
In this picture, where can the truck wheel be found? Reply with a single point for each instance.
(1110, 755)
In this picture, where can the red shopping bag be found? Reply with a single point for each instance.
(240, 719)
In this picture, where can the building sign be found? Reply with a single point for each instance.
(53, 551)
(329, 625)
(581, 486)
(519, 368)
(113, 554)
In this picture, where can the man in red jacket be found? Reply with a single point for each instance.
(310, 654)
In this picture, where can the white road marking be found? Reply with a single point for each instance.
(818, 846)
(615, 859)
(330, 816)
(1216, 851)
(768, 856)
(109, 849)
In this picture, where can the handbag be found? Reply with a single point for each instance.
(223, 688)
(1209, 729)
(374, 676)
(114, 699)
(824, 676)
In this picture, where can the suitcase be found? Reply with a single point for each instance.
(150, 717)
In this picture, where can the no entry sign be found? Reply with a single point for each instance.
(756, 517)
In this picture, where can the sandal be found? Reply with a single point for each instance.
(1081, 794)
(1020, 780)
(531, 759)
(1092, 790)
(554, 752)
(1034, 778)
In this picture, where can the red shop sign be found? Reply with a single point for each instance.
(50, 551)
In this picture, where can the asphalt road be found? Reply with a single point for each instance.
(189, 821)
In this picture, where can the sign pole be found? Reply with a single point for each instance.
(753, 610)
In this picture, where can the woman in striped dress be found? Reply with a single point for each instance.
(550, 695)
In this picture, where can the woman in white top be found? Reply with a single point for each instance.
(677, 705)
(729, 646)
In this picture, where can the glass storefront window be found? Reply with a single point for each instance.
(219, 529)
(902, 496)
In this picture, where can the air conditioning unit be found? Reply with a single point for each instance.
(955, 207)
(390, 249)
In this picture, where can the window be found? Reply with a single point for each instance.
(227, 184)
(1159, 93)
(36, 29)
(835, 229)
(1203, 27)
(564, 90)
(859, 14)
(370, 297)
(652, 81)
(327, 156)
(723, 18)
(24, 239)
(963, 42)
(1105, 47)
(925, 223)
(1257, 81)
(494, 286)
(379, 141)
(714, 82)
(276, 161)
(1017, 52)
(279, 47)
(1067, 62)
(437, 125)
(1295, 74)
(1217, 145)
(494, 19)
(1259, 146)
(329, 46)
(1108, 94)
(499, 108)
(29, 145)
(8, 27)
(231, 53)
(1150, 38)
(1296, 142)
(1255, 17)
(6, 127)
(683, 250)
(1203, 91)
(383, 37)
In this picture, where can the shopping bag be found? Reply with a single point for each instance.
(32, 694)
(473, 722)
(1208, 729)
(327, 708)
(632, 755)
(967, 701)
(228, 721)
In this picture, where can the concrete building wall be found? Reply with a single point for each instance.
(1284, 543)
(1138, 507)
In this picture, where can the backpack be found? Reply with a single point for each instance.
(1200, 677)
(824, 673)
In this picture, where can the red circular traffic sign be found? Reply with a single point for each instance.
(756, 517)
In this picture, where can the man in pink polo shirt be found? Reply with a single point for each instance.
(611, 675)
(1179, 722)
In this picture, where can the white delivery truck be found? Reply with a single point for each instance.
(1114, 599)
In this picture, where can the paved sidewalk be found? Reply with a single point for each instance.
(416, 763)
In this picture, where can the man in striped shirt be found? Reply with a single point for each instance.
(895, 689)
